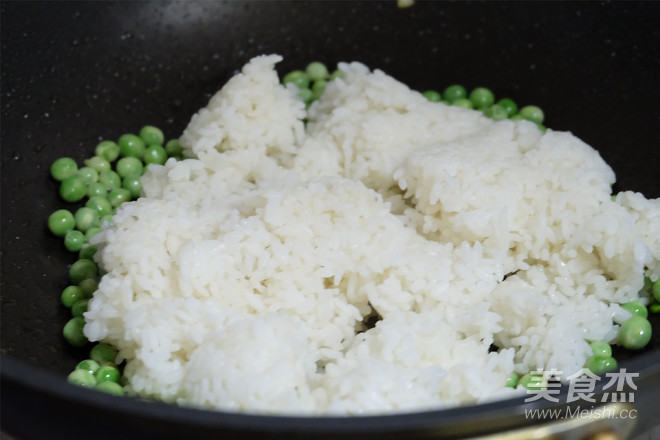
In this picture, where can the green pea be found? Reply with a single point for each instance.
(318, 88)
(601, 349)
(98, 163)
(495, 112)
(173, 148)
(601, 364)
(74, 240)
(336, 74)
(306, 95)
(82, 378)
(88, 365)
(103, 353)
(636, 308)
(92, 232)
(635, 333)
(73, 189)
(509, 105)
(655, 308)
(152, 135)
(106, 219)
(99, 204)
(465, 103)
(79, 308)
(87, 252)
(648, 284)
(88, 286)
(133, 185)
(316, 71)
(88, 175)
(110, 179)
(533, 381)
(119, 196)
(73, 332)
(512, 381)
(110, 388)
(108, 150)
(432, 96)
(297, 77)
(656, 290)
(155, 154)
(129, 166)
(63, 168)
(81, 270)
(60, 222)
(131, 145)
(482, 97)
(107, 373)
(70, 295)
(86, 217)
(96, 189)
(454, 93)
(532, 113)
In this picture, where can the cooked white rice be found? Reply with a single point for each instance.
(242, 279)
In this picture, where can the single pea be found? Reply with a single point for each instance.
(454, 93)
(173, 147)
(517, 117)
(636, 308)
(63, 168)
(97, 189)
(110, 179)
(509, 105)
(654, 308)
(74, 240)
(152, 135)
(106, 219)
(155, 154)
(108, 150)
(99, 204)
(82, 378)
(656, 290)
(336, 74)
(89, 365)
(601, 364)
(601, 349)
(533, 381)
(133, 185)
(92, 232)
(482, 97)
(432, 96)
(107, 373)
(88, 175)
(318, 88)
(111, 388)
(87, 252)
(98, 163)
(60, 222)
(465, 103)
(635, 333)
(648, 284)
(73, 331)
(79, 308)
(86, 217)
(316, 71)
(131, 145)
(306, 95)
(532, 113)
(512, 381)
(129, 166)
(119, 196)
(88, 286)
(103, 353)
(70, 295)
(81, 270)
(495, 112)
(297, 77)
(73, 189)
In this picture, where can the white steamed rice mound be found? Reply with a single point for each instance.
(243, 279)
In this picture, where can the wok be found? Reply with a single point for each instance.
(76, 72)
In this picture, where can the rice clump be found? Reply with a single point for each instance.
(249, 276)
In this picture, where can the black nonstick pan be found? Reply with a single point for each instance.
(76, 72)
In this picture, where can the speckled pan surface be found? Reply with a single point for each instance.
(76, 72)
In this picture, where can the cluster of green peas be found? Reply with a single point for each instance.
(311, 82)
(108, 179)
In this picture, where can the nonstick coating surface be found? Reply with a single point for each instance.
(77, 72)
